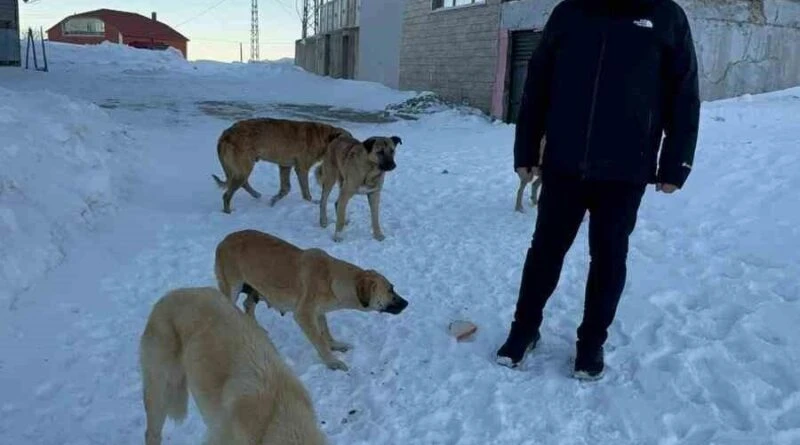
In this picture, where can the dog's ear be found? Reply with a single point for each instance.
(368, 144)
(397, 141)
(334, 136)
(365, 287)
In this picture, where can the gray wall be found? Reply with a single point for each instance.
(380, 31)
(743, 46)
(310, 55)
(9, 33)
(451, 51)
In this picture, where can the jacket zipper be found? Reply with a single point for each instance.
(585, 166)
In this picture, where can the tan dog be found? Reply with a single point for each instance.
(307, 282)
(196, 339)
(524, 179)
(359, 168)
(288, 143)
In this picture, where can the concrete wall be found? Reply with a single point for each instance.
(380, 33)
(746, 46)
(451, 51)
(9, 33)
(743, 46)
(310, 54)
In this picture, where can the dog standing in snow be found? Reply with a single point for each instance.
(359, 168)
(196, 341)
(288, 143)
(307, 282)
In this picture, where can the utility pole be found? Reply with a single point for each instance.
(241, 52)
(254, 31)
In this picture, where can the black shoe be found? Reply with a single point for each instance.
(589, 363)
(515, 349)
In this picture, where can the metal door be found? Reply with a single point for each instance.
(522, 45)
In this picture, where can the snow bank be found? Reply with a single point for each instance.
(108, 56)
(54, 180)
(142, 75)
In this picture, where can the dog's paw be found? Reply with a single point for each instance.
(323, 223)
(336, 365)
(379, 236)
(340, 346)
(338, 237)
(519, 209)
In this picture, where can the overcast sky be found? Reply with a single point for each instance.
(214, 34)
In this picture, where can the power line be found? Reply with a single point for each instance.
(201, 13)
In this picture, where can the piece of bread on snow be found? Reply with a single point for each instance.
(462, 329)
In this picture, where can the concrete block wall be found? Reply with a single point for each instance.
(451, 51)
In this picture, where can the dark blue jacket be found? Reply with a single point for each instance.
(609, 79)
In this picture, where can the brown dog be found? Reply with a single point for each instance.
(524, 179)
(359, 168)
(288, 143)
(196, 341)
(307, 282)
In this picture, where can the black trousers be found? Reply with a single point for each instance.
(612, 207)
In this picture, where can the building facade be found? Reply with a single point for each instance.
(332, 47)
(355, 40)
(106, 25)
(9, 33)
(476, 51)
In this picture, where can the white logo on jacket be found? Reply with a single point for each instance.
(644, 23)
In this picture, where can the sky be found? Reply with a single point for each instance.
(214, 27)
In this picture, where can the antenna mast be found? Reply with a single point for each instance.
(254, 31)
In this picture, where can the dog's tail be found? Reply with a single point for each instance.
(223, 148)
(163, 377)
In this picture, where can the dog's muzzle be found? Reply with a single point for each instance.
(388, 166)
(396, 306)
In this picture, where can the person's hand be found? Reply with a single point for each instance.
(666, 188)
(528, 172)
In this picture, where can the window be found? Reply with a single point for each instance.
(441, 4)
(84, 26)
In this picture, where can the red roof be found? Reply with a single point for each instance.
(131, 24)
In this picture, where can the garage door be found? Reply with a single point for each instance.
(522, 45)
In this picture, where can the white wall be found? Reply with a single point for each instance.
(379, 36)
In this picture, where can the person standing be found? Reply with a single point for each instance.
(611, 82)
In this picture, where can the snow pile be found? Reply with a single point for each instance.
(54, 179)
(109, 56)
(428, 103)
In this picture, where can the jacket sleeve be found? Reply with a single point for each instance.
(532, 116)
(682, 109)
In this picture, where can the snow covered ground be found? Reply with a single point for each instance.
(105, 207)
